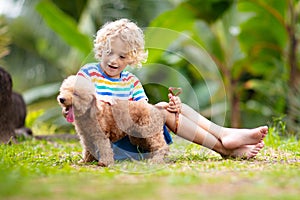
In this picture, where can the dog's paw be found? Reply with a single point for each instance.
(159, 156)
(82, 161)
(104, 164)
(157, 160)
(85, 161)
(101, 164)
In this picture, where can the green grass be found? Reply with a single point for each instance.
(35, 169)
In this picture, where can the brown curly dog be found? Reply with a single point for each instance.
(99, 123)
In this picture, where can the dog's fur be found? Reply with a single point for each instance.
(12, 110)
(99, 123)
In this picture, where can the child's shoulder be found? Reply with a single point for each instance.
(90, 70)
(90, 66)
(128, 75)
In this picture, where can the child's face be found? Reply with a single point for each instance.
(114, 61)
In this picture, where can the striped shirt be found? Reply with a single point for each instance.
(127, 87)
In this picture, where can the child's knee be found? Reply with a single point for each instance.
(161, 104)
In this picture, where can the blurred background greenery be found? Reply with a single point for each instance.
(237, 60)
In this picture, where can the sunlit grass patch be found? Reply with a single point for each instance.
(37, 169)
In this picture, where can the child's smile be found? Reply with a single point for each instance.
(113, 67)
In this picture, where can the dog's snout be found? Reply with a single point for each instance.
(62, 100)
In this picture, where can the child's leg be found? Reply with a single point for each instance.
(231, 138)
(188, 130)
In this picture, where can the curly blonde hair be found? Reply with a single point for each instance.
(128, 31)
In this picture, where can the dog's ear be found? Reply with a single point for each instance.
(83, 84)
(94, 108)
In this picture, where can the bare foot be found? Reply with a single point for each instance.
(234, 138)
(246, 151)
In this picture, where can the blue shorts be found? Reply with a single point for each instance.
(123, 149)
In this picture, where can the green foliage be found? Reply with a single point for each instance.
(222, 53)
(204, 54)
(4, 38)
(207, 10)
(73, 9)
(252, 66)
(48, 121)
(179, 19)
(64, 26)
(40, 92)
(265, 48)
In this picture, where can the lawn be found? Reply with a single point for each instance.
(35, 169)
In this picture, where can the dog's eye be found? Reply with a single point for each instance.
(75, 94)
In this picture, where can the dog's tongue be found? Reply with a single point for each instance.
(70, 115)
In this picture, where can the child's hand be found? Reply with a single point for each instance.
(174, 103)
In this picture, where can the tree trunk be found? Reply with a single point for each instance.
(235, 107)
(294, 70)
(6, 127)
(6, 114)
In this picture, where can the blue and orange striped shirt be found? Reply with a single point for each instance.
(127, 87)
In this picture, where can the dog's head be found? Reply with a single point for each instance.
(65, 97)
(76, 96)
